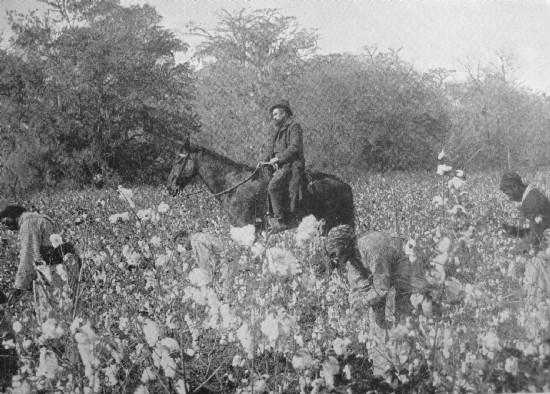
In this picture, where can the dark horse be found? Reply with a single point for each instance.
(326, 196)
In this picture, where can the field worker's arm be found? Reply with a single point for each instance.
(380, 279)
(360, 283)
(295, 147)
(34, 232)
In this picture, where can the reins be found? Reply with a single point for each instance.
(230, 189)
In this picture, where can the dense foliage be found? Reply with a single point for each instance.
(91, 89)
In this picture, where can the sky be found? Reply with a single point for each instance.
(447, 33)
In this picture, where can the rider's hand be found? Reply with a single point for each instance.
(274, 161)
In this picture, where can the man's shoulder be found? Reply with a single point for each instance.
(535, 202)
(294, 124)
(535, 197)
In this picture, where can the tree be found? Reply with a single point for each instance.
(110, 97)
(371, 112)
(496, 123)
(251, 59)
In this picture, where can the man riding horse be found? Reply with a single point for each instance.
(285, 152)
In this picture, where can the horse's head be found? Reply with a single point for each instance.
(183, 170)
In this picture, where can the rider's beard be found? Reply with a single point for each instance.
(279, 122)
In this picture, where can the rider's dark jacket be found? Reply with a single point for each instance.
(286, 143)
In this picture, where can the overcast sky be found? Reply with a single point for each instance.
(430, 33)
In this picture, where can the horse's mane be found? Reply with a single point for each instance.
(226, 161)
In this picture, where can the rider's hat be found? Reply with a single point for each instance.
(282, 104)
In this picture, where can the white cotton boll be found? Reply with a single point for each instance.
(456, 183)
(119, 217)
(444, 245)
(199, 277)
(340, 345)
(51, 330)
(302, 360)
(438, 201)
(162, 260)
(455, 210)
(459, 173)
(307, 229)
(416, 299)
(238, 361)
(17, 327)
(62, 272)
(170, 343)
(453, 288)
(330, 368)
(110, 373)
(126, 195)
(181, 387)
(145, 214)
(511, 366)
(151, 331)
(19, 387)
(281, 262)
(427, 307)
(443, 169)
(441, 155)
(163, 207)
(75, 324)
(141, 390)
(245, 338)
(257, 250)
(8, 344)
(244, 236)
(440, 259)
(148, 375)
(123, 323)
(56, 240)
(155, 241)
(270, 328)
(48, 366)
(168, 365)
